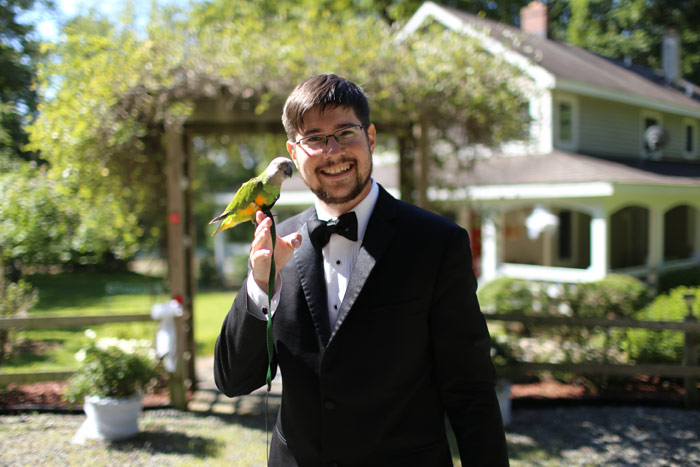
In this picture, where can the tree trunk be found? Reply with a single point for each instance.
(423, 165)
(407, 149)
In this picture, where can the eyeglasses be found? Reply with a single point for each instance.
(343, 136)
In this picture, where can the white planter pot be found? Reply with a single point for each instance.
(503, 394)
(109, 418)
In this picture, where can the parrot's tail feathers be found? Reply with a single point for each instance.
(219, 217)
(231, 221)
(221, 227)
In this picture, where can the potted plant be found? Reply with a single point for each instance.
(111, 379)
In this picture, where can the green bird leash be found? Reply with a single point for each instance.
(268, 332)
(270, 293)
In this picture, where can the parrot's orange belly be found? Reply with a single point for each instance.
(250, 210)
(259, 201)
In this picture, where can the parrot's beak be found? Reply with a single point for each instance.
(288, 169)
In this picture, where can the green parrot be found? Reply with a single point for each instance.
(256, 194)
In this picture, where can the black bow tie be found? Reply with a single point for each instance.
(321, 231)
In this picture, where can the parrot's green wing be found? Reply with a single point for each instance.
(245, 195)
(242, 207)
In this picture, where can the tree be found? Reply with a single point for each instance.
(19, 52)
(634, 28)
(115, 88)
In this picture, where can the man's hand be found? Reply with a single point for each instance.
(261, 250)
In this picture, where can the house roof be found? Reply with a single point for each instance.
(578, 66)
(564, 167)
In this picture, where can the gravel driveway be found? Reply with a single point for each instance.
(571, 436)
(648, 436)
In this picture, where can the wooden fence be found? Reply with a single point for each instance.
(177, 386)
(689, 369)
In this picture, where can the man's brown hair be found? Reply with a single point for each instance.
(322, 91)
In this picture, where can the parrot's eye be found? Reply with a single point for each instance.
(343, 136)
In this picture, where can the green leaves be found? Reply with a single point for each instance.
(109, 89)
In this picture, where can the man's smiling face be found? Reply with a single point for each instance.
(339, 175)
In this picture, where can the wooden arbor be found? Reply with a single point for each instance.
(209, 116)
(230, 116)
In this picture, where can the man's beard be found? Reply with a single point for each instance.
(328, 198)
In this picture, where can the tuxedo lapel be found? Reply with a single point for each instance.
(309, 264)
(380, 231)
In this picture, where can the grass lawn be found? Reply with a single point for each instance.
(87, 293)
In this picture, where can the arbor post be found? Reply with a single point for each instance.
(180, 245)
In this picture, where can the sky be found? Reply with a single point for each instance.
(47, 23)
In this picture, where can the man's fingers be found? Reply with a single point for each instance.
(261, 254)
(264, 223)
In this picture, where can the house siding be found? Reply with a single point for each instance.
(608, 128)
(612, 129)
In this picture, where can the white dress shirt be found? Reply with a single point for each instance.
(339, 257)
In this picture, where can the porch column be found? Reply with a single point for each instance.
(599, 244)
(489, 247)
(546, 236)
(655, 247)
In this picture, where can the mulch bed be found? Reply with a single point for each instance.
(639, 390)
(48, 396)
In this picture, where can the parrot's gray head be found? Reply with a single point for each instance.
(279, 169)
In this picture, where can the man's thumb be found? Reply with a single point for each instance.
(293, 240)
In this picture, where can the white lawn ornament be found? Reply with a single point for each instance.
(166, 336)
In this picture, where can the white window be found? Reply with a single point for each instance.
(690, 138)
(566, 123)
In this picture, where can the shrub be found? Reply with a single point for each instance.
(506, 295)
(613, 296)
(662, 346)
(16, 299)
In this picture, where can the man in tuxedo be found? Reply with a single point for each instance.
(376, 326)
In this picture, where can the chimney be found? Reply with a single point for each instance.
(671, 57)
(533, 19)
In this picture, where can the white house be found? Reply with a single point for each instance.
(597, 195)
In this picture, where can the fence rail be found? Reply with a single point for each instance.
(56, 322)
(53, 322)
(689, 369)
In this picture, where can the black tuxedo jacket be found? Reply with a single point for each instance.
(410, 345)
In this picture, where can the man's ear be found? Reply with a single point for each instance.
(291, 150)
(371, 136)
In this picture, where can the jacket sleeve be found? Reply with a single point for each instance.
(240, 355)
(461, 344)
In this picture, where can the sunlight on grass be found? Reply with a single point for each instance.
(81, 294)
(210, 308)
